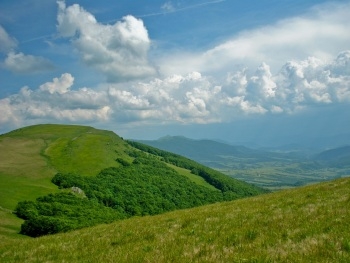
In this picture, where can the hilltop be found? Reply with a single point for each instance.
(31, 156)
(307, 224)
(117, 179)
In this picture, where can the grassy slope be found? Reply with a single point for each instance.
(194, 178)
(29, 157)
(309, 224)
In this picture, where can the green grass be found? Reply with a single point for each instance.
(308, 224)
(31, 156)
(24, 173)
(14, 188)
(194, 178)
(9, 226)
(86, 154)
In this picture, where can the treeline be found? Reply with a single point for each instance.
(62, 212)
(230, 187)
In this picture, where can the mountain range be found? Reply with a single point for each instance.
(263, 167)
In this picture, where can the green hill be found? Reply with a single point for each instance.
(308, 224)
(117, 179)
(31, 156)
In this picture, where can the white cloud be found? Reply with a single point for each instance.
(7, 43)
(321, 33)
(21, 63)
(60, 85)
(119, 51)
(54, 101)
(8, 114)
(190, 98)
(313, 81)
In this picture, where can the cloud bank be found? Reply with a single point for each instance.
(190, 98)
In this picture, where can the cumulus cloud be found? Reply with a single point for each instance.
(7, 43)
(60, 85)
(197, 98)
(189, 98)
(21, 63)
(120, 51)
(54, 101)
(321, 33)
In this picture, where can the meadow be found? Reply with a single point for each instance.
(306, 224)
(30, 157)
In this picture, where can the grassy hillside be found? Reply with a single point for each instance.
(309, 224)
(31, 156)
(140, 183)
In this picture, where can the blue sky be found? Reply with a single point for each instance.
(268, 72)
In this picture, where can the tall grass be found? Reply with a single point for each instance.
(309, 224)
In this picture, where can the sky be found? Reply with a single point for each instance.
(259, 72)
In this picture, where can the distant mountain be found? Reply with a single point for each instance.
(269, 168)
(198, 149)
(336, 157)
(210, 152)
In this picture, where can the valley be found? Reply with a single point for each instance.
(273, 170)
